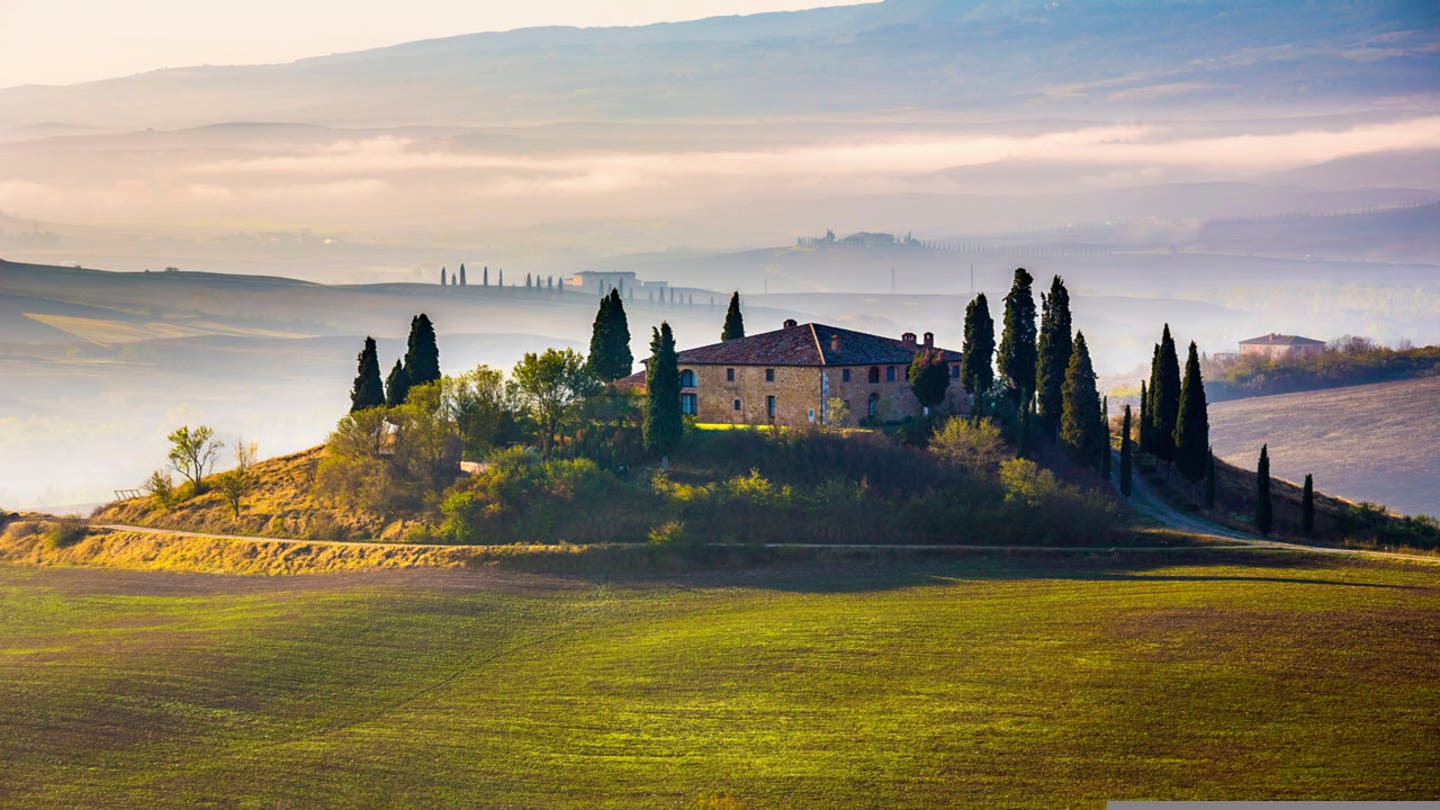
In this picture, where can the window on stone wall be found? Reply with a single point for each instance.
(689, 405)
(769, 375)
(954, 371)
(770, 407)
(874, 374)
(889, 374)
(687, 379)
(737, 404)
(729, 375)
(845, 375)
(872, 407)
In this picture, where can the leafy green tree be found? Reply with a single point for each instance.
(1165, 398)
(235, 484)
(367, 391)
(426, 436)
(397, 385)
(1053, 354)
(1017, 345)
(929, 377)
(610, 357)
(477, 403)
(552, 384)
(1192, 423)
(192, 452)
(1080, 425)
(664, 424)
(1264, 509)
(1127, 463)
(734, 321)
(422, 356)
(1307, 506)
(977, 370)
(1210, 478)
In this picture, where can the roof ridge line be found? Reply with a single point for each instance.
(818, 348)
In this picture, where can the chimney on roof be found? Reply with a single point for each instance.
(908, 338)
(929, 340)
(790, 323)
(834, 342)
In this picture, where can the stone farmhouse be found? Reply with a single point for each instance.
(1277, 347)
(793, 376)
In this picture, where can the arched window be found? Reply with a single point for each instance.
(872, 407)
(874, 374)
(687, 379)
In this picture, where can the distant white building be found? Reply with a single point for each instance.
(1275, 346)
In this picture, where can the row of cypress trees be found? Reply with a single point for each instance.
(1174, 418)
(420, 365)
(532, 282)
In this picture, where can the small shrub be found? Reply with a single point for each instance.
(671, 533)
(162, 487)
(65, 532)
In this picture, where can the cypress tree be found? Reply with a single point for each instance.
(368, 391)
(1143, 429)
(1307, 506)
(734, 321)
(1147, 426)
(527, 281)
(462, 274)
(397, 385)
(453, 282)
(664, 424)
(1017, 345)
(442, 277)
(1192, 423)
(599, 339)
(422, 355)
(610, 357)
(1126, 463)
(1105, 431)
(1053, 354)
(977, 371)
(501, 281)
(1165, 395)
(1264, 513)
(1080, 426)
(1210, 478)
(485, 276)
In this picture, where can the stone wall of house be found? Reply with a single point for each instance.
(801, 392)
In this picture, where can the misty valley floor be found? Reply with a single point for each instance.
(895, 684)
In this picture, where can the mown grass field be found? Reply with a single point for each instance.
(921, 683)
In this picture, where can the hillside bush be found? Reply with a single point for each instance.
(65, 532)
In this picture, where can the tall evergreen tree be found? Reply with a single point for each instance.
(453, 282)
(367, 391)
(977, 370)
(1192, 422)
(1080, 426)
(422, 355)
(500, 282)
(442, 277)
(1142, 427)
(527, 281)
(462, 274)
(1127, 463)
(1165, 395)
(664, 424)
(1053, 354)
(1147, 425)
(1017, 345)
(1105, 429)
(485, 276)
(1210, 478)
(1264, 510)
(397, 385)
(734, 321)
(610, 357)
(1307, 506)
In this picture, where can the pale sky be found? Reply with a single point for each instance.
(66, 41)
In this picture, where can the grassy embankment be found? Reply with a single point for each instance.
(901, 684)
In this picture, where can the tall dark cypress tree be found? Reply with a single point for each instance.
(367, 391)
(1080, 425)
(485, 276)
(1264, 510)
(1307, 506)
(1147, 425)
(1165, 394)
(422, 355)
(734, 321)
(610, 356)
(599, 339)
(397, 385)
(462, 274)
(1127, 463)
(1105, 431)
(1053, 353)
(1143, 427)
(1017, 345)
(977, 370)
(1192, 422)
(664, 424)
(442, 277)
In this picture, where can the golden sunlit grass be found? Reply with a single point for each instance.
(106, 332)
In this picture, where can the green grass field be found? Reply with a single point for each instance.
(924, 683)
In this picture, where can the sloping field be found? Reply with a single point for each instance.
(978, 682)
(1366, 443)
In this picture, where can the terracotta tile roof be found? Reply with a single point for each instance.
(1273, 339)
(808, 344)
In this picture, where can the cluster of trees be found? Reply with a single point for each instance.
(1174, 420)
(420, 365)
(193, 454)
(532, 282)
(1346, 361)
(1040, 378)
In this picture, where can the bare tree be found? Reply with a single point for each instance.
(239, 482)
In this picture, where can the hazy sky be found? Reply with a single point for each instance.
(65, 41)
